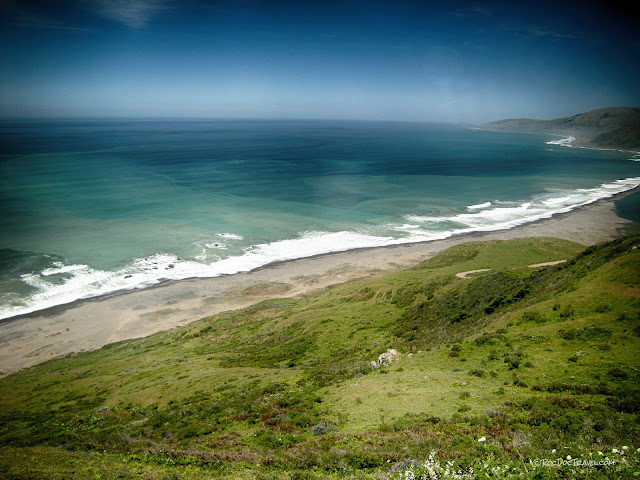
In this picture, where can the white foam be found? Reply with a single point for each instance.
(232, 236)
(564, 142)
(61, 268)
(406, 227)
(479, 206)
(555, 201)
(422, 219)
(505, 215)
(307, 245)
(542, 206)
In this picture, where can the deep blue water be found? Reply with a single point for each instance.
(89, 207)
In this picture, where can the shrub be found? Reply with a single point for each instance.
(588, 333)
(493, 355)
(617, 374)
(485, 339)
(519, 383)
(362, 460)
(627, 402)
(564, 402)
(567, 311)
(535, 317)
(512, 362)
(319, 429)
(459, 317)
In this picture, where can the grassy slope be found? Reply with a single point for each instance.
(530, 359)
(624, 137)
(615, 127)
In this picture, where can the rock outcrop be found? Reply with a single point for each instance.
(385, 359)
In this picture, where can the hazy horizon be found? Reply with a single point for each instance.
(459, 62)
(205, 118)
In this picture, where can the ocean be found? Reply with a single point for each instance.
(90, 207)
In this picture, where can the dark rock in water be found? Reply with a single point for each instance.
(128, 276)
(171, 265)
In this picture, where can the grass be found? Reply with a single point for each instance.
(504, 369)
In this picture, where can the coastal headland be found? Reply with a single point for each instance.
(616, 128)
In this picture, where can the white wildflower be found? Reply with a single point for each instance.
(553, 451)
(568, 457)
(615, 450)
(482, 439)
(624, 447)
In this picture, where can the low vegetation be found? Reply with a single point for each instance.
(512, 373)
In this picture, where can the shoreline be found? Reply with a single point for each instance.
(88, 324)
(60, 308)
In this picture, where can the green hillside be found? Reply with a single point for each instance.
(495, 374)
(624, 137)
(614, 127)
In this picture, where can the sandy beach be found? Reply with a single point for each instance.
(89, 324)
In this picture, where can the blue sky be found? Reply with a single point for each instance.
(460, 62)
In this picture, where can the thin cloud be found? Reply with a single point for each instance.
(547, 32)
(536, 31)
(132, 13)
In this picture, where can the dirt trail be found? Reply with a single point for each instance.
(546, 264)
(464, 274)
(535, 265)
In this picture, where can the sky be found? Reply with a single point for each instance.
(460, 62)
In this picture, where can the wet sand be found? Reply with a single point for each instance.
(90, 324)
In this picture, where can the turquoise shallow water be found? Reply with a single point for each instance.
(93, 207)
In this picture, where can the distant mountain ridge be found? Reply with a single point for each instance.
(613, 127)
